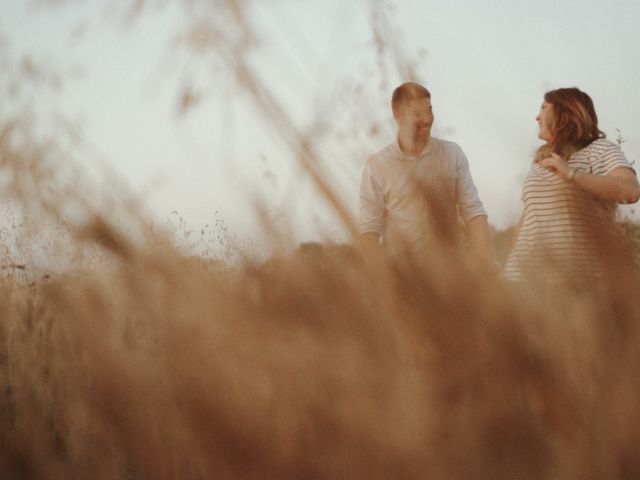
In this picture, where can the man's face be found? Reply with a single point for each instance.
(415, 118)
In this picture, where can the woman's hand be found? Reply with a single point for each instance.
(556, 164)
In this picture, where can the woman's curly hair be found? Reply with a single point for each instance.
(575, 122)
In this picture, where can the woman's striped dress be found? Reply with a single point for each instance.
(561, 222)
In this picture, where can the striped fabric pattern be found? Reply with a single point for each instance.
(561, 221)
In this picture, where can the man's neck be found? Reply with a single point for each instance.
(412, 148)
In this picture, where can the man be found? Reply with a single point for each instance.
(414, 190)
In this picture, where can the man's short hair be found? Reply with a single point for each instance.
(406, 92)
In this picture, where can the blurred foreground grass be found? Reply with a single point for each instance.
(133, 360)
(151, 364)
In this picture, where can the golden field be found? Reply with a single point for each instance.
(123, 357)
(141, 362)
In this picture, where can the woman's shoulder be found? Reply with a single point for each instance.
(598, 148)
(604, 156)
(603, 144)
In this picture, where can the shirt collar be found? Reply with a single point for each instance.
(424, 152)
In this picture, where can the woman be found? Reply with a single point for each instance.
(571, 192)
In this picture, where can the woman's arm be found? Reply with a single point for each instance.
(621, 185)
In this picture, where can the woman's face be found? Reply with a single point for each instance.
(545, 121)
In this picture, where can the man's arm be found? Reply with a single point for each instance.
(473, 213)
(480, 239)
(371, 210)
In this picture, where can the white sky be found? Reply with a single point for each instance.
(487, 64)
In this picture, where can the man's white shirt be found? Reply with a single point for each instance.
(406, 199)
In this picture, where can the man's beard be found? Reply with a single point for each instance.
(420, 135)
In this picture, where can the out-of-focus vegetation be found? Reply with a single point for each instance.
(325, 364)
(134, 360)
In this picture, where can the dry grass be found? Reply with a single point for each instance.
(138, 362)
(324, 365)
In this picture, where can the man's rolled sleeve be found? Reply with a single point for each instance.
(371, 205)
(469, 204)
